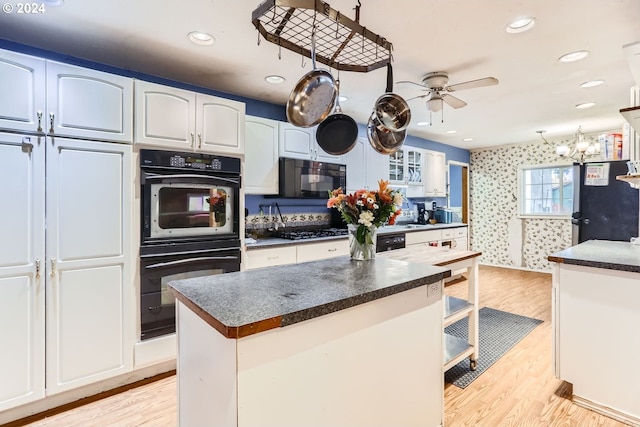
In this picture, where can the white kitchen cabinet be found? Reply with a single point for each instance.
(89, 295)
(88, 104)
(456, 237)
(22, 275)
(432, 237)
(184, 120)
(300, 143)
(65, 100)
(77, 279)
(22, 91)
(322, 250)
(267, 257)
(435, 180)
(261, 156)
(365, 166)
(406, 167)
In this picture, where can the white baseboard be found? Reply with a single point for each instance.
(606, 411)
(154, 351)
(74, 395)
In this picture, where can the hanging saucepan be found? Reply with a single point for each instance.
(382, 140)
(337, 134)
(313, 97)
(391, 110)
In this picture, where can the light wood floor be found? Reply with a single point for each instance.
(519, 390)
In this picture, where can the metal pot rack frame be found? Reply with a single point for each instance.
(341, 43)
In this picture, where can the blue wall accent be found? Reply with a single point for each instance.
(455, 187)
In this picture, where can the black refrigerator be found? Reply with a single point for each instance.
(604, 207)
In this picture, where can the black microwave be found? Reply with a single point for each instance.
(310, 179)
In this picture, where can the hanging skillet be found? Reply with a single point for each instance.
(313, 97)
(391, 110)
(382, 140)
(337, 134)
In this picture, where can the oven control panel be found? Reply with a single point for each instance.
(189, 161)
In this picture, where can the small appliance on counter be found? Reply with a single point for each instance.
(443, 215)
(421, 213)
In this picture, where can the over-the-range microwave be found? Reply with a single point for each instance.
(310, 179)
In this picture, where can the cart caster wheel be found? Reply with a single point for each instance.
(473, 364)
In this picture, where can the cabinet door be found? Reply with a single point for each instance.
(296, 142)
(259, 258)
(22, 318)
(89, 262)
(88, 103)
(322, 156)
(261, 156)
(324, 250)
(436, 179)
(22, 91)
(219, 125)
(397, 167)
(357, 166)
(165, 116)
(377, 167)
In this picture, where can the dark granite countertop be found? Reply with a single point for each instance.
(623, 256)
(248, 302)
(274, 242)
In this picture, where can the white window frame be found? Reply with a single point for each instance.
(520, 186)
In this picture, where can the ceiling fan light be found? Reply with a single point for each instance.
(521, 25)
(434, 104)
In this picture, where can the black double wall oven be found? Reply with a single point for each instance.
(190, 227)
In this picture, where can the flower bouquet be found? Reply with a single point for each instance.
(364, 211)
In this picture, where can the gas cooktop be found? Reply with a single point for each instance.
(310, 233)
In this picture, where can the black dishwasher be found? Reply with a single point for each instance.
(390, 241)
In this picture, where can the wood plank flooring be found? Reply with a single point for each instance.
(519, 390)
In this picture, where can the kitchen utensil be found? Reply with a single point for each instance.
(384, 141)
(337, 134)
(313, 97)
(390, 109)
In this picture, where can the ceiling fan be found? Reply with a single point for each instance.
(437, 86)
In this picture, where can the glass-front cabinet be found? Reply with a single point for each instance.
(397, 167)
(406, 167)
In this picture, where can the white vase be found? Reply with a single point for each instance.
(365, 250)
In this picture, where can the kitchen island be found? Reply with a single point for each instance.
(596, 313)
(331, 342)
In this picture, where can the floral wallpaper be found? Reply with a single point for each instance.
(495, 229)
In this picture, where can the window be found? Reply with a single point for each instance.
(546, 191)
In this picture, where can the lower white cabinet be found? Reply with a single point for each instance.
(322, 250)
(77, 280)
(292, 254)
(261, 156)
(258, 258)
(432, 237)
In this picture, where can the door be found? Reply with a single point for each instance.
(261, 156)
(89, 262)
(219, 125)
(22, 279)
(605, 212)
(22, 92)
(165, 116)
(88, 103)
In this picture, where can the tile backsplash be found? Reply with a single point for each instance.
(302, 219)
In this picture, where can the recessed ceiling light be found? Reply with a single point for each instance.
(574, 56)
(467, 139)
(273, 79)
(586, 105)
(200, 38)
(343, 98)
(422, 124)
(520, 25)
(592, 83)
(451, 131)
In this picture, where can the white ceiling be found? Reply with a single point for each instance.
(465, 38)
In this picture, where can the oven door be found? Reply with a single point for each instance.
(157, 304)
(189, 206)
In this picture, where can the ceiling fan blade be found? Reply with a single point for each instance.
(487, 81)
(423, 87)
(452, 101)
(419, 96)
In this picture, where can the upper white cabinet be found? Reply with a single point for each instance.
(184, 120)
(435, 180)
(22, 269)
(300, 143)
(22, 92)
(406, 167)
(88, 104)
(65, 100)
(365, 166)
(261, 156)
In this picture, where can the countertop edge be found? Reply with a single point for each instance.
(594, 264)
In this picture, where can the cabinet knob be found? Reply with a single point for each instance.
(193, 140)
(53, 267)
(199, 140)
(37, 268)
(39, 115)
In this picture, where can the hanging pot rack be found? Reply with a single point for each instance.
(341, 43)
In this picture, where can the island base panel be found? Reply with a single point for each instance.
(375, 364)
